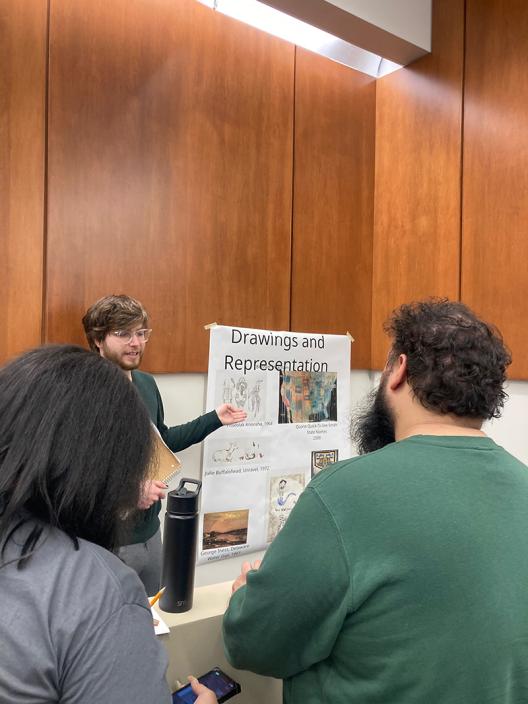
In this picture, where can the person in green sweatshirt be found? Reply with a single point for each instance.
(117, 328)
(401, 575)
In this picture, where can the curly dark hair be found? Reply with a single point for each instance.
(456, 363)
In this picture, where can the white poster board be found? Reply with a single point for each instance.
(295, 388)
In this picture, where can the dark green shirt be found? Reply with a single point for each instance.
(401, 577)
(177, 438)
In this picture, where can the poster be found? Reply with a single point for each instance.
(295, 388)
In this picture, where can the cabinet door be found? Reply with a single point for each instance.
(495, 206)
(333, 201)
(23, 33)
(170, 169)
(417, 193)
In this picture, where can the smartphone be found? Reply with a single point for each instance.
(221, 684)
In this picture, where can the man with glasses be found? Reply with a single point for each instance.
(116, 327)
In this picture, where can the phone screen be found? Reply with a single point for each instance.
(215, 679)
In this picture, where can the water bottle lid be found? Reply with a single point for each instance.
(183, 500)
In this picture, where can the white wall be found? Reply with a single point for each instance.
(184, 399)
(510, 431)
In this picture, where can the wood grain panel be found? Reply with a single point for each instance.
(495, 202)
(333, 201)
(23, 35)
(170, 171)
(417, 193)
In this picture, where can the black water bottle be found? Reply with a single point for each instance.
(179, 547)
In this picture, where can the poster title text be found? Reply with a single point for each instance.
(271, 339)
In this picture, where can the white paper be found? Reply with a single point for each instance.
(160, 627)
(295, 388)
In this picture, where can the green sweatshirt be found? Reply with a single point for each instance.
(177, 438)
(400, 577)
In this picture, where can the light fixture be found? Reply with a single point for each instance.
(290, 28)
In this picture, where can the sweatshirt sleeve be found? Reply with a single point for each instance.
(180, 437)
(289, 614)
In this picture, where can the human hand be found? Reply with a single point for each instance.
(241, 579)
(205, 695)
(229, 414)
(151, 491)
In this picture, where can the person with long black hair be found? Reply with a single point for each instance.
(75, 624)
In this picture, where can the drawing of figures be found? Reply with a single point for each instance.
(236, 451)
(241, 392)
(251, 453)
(254, 399)
(225, 454)
(255, 451)
(283, 494)
(229, 390)
(286, 499)
(247, 391)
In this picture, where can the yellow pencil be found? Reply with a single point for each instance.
(155, 598)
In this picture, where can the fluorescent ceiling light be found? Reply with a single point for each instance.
(293, 30)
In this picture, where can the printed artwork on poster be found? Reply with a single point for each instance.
(225, 529)
(307, 397)
(247, 391)
(255, 471)
(284, 490)
(236, 450)
(322, 458)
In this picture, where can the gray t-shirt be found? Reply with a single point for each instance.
(75, 627)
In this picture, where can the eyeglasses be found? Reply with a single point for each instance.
(127, 335)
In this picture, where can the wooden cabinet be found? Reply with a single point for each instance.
(417, 192)
(333, 201)
(495, 203)
(164, 150)
(23, 37)
(170, 170)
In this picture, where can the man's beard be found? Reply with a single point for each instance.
(126, 363)
(372, 426)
